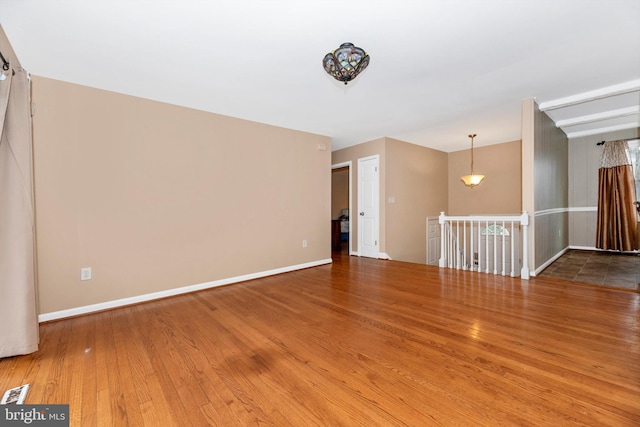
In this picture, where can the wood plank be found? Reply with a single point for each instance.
(357, 342)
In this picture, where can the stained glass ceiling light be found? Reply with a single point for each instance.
(472, 180)
(346, 62)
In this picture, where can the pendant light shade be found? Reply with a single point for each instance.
(346, 62)
(472, 180)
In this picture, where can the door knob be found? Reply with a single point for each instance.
(361, 213)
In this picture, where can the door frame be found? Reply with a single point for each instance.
(348, 164)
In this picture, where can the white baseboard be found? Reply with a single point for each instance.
(55, 315)
(591, 248)
(585, 248)
(549, 261)
(381, 255)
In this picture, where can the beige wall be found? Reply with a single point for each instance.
(501, 190)
(414, 191)
(153, 196)
(417, 182)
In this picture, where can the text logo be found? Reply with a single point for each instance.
(34, 415)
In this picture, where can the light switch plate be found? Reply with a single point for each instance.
(85, 273)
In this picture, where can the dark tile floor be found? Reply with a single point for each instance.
(597, 268)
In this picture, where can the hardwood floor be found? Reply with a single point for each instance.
(360, 342)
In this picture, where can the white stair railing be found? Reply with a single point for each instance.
(491, 244)
(455, 254)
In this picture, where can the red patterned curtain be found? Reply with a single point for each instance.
(617, 217)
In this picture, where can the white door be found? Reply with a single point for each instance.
(433, 241)
(368, 206)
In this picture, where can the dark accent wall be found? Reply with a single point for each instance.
(551, 183)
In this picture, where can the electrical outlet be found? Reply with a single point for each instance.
(85, 273)
(304, 243)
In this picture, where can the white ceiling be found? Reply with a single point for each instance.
(440, 69)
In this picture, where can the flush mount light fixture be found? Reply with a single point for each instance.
(346, 62)
(472, 180)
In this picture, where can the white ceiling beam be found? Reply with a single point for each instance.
(592, 95)
(597, 117)
(599, 131)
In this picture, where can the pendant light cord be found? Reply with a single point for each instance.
(472, 136)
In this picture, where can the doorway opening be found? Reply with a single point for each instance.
(341, 208)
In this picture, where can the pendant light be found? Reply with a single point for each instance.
(472, 180)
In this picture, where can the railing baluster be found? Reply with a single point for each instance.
(464, 248)
(449, 243)
(479, 224)
(524, 220)
(464, 245)
(504, 255)
(459, 247)
(442, 260)
(452, 246)
(486, 241)
(513, 249)
(495, 249)
(472, 248)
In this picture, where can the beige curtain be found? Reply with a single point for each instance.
(617, 218)
(18, 314)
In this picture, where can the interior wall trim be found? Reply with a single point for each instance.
(77, 311)
(599, 131)
(593, 248)
(592, 95)
(551, 211)
(549, 261)
(605, 115)
(584, 209)
(584, 248)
